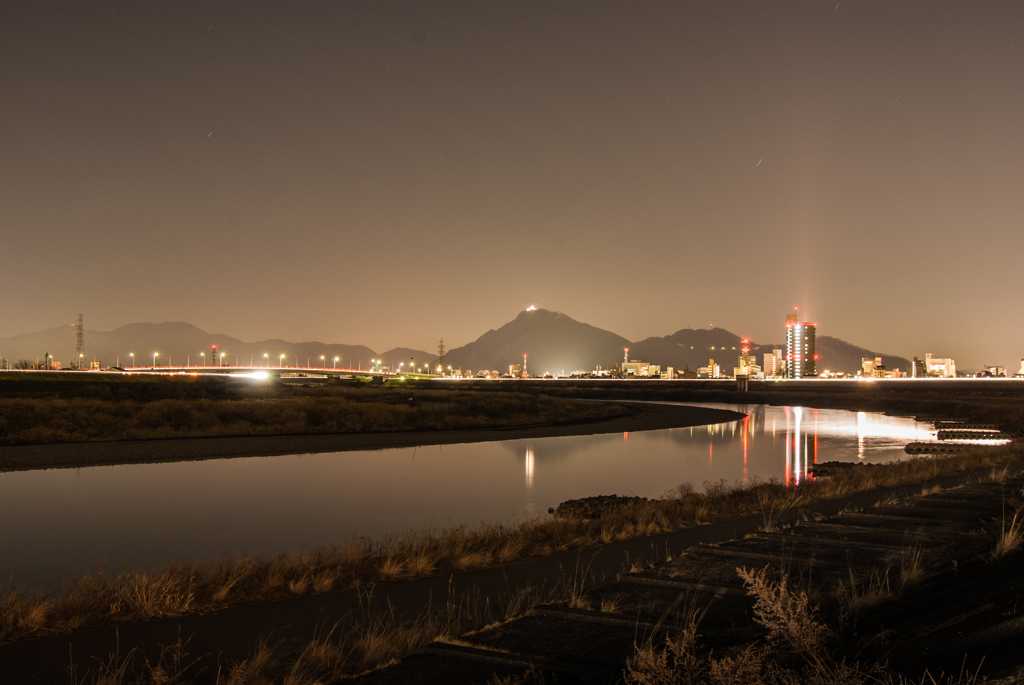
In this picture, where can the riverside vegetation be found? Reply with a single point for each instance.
(181, 589)
(812, 634)
(137, 408)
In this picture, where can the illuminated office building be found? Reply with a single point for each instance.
(800, 352)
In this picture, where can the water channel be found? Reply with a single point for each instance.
(61, 522)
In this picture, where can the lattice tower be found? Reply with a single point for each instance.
(79, 341)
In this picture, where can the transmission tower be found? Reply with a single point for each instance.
(79, 342)
(440, 354)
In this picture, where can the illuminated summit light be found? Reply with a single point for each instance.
(531, 308)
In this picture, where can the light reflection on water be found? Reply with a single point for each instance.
(60, 522)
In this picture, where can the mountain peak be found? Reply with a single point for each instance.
(552, 341)
(537, 312)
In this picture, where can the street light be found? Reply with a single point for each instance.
(281, 360)
(154, 358)
(222, 358)
(323, 362)
(202, 362)
(267, 358)
(335, 362)
(132, 355)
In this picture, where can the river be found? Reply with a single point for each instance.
(61, 522)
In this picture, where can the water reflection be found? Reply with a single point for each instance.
(529, 466)
(57, 523)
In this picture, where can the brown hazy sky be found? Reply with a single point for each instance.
(384, 173)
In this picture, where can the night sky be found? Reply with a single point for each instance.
(385, 173)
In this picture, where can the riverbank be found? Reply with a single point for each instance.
(631, 417)
(394, 620)
(996, 401)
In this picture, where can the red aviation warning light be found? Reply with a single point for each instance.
(745, 347)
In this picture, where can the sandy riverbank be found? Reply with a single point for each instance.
(644, 417)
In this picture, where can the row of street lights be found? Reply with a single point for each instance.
(376, 364)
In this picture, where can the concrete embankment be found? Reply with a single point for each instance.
(963, 615)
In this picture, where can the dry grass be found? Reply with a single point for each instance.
(373, 639)
(1010, 536)
(172, 667)
(799, 648)
(773, 509)
(181, 589)
(34, 420)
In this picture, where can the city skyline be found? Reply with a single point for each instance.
(173, 340)
(387, 175)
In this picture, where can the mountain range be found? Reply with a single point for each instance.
(178, 343)
(555, 343)
(552, 341)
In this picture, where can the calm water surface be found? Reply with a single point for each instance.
(62, 522)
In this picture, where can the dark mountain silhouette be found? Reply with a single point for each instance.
(694, 347)
(406, 355)
(553, 341)
(838, 355)
(178, 343)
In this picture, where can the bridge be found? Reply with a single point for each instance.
(259, 372)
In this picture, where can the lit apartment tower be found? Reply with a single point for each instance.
(800, 352)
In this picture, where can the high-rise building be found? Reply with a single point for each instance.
(945, 368)
(774, 364)
(800, 352)
(872, 367)
(712, 370)
(917, 369)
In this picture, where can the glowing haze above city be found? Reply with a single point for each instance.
(388, 173)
